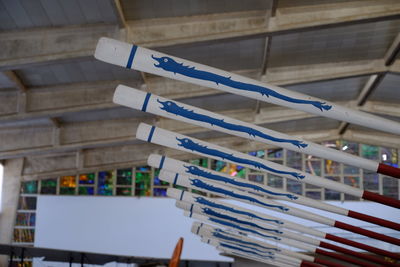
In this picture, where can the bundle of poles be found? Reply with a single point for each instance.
(232, 229)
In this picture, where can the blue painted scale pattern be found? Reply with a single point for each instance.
(198, 172)
(187, 143)
(202, 185)
(203, 201)
(170, 65)
(173, 108)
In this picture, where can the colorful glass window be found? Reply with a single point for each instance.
(25, 219)
(371, 181)
(257, 178)
(160, 192)
(87, 179)
(30, 187)
(157, 181)
(203, 162)
(124, 177)
(105, 183)
(67, 185)
(142, 184)
(294, 186)
(369, 152)
(276, 153)
(294, 159)
(48, 186)
(218, 165)
(391, 187)
(86, 190)
(236, 170)
(274, 181)
(314, 194)
(24, 235)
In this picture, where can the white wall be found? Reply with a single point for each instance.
(150, 227)
(146, 227)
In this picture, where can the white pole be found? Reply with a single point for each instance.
(150, 61)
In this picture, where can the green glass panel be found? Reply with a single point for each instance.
(67, 191)
(48, 186)
(105, 183)
(142, 184)
(86, 190)
(369, 152)
(218, 165)
(124, 177)
(30, 187)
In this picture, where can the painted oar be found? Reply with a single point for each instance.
(207, 231)
(251, 215)
(271, 230)
(229, 192)
(274, 257)
(150, 61)
(238, 183)
(181, 142)
(160, 106)
(301, 245)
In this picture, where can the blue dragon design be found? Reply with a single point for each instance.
(243, 229)
(202, 185)
(190, 145)
(244, 250)
(173, 108)
(203, 201)
(210, 212)
(228, 238)
(198, 172)
(170, 65)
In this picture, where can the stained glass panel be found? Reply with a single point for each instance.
(124, 177)
(159, 192)
(369, 152)
(86, 190)
(332, 167)
(30, 187)
(314, 195)
(25, 219)
(87, 178)
(203, 162)
(105, 183)
(24, 235)
(371, 181)
(67, 185)
(294, 159)
(389, 156)
(48, 186)
(218, 165)
(157, 180)
(236, 170)
(142, 184)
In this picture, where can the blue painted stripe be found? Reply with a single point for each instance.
(151, 133)
(191, 209)
(176, 179)
(146, 101)
(131, 56)
(198, 230)
(182, 195)
(161, 162)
